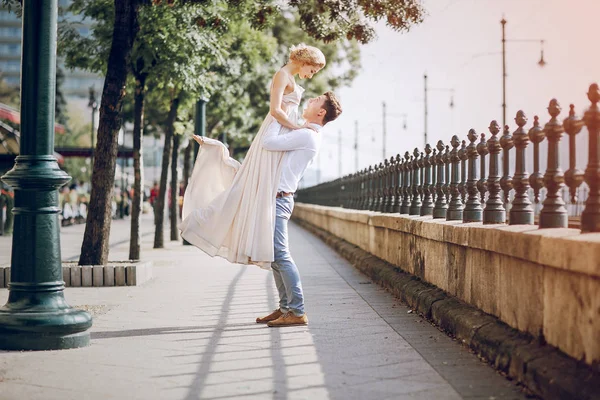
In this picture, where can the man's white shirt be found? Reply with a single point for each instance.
(300, 146)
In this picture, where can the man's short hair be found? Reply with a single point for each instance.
(332, 107)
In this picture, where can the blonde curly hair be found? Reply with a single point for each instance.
(307, 55)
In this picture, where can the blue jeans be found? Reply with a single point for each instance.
(285, 272)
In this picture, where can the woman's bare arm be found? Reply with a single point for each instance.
(280, 81)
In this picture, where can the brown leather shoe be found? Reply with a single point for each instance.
(271, 317)
(289, 319)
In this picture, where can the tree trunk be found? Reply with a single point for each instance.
(94, 249)
(159, 203)
(138, 170)
(187, 163)
(174, 209)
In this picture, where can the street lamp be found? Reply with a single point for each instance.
(541, 63)
(428, 89)
(94, 106)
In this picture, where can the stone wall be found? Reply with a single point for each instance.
(542, 281)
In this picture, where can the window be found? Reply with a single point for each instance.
(8, 16)
(10, 49)
(11, 32)
(10, 65)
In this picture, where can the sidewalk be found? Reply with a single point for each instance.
(190, 334)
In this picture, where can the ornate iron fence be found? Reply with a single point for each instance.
(464, 181)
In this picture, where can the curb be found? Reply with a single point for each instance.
(115, 273)
(545, 370)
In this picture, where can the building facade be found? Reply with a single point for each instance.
(77, 82)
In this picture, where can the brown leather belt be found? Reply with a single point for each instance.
(283, 194)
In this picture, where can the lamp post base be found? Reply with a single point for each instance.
(57, 330)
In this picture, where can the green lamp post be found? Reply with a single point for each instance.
(36, 316)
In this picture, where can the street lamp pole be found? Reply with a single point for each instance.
(426, 111)
(503, 22)
(384, 132)
(356, 145)
(427, 90)
(541, 63)
(340, 153)
(37, 316)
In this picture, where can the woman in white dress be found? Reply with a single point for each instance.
(228, 208)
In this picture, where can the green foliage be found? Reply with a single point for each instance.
(60, 105)
(77, 135)
(13, 6)
(9, 94)
(329, 21)
(176, 48)
(86, 52)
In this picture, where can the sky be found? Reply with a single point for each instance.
(459, 47)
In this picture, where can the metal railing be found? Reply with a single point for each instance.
(465, 182)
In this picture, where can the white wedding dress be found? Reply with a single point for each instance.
(228, 208)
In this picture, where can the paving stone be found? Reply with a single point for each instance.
(98, 275)
(75, 276)
(120, 275)
(109, 275)
(66, 272)
(130, 274)
(86, 275)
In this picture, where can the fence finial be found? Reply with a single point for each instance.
(427, 207)
(415, 205)
(455, 208)
(494, 212)
(473, 211)
(590, 218)
(439, 210)
(521, 211)
(573, 176)
(553, 214)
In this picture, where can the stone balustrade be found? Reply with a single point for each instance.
(454, 216)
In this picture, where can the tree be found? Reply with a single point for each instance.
(94, 249)
(323, 20)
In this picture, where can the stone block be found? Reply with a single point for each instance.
(75, 276)
(432, 229)
(66, 272)
(109, 275)
(456, 268)
(571, 307)
(484, 281)
(120, 275)
(98, 275)
(131, 275)
(86, 276)
(551, 249)
(583, 253)
(431, 260)
(521, 294)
